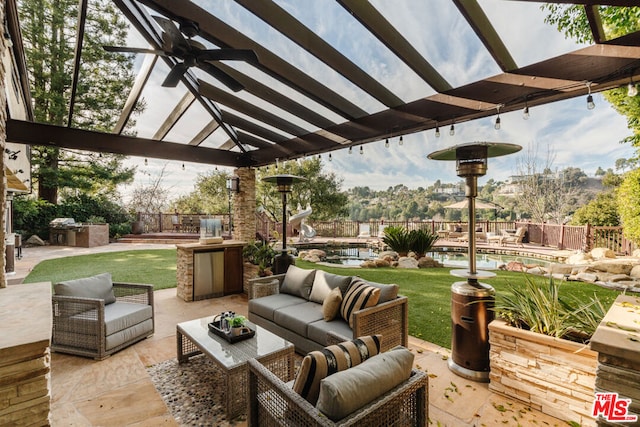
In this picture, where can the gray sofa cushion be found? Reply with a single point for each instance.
(122, 315)
(297, 317)
(317, 331)
(99, 286)
(298, 282)
(266, 306)
(128, 334)
(324, 282)
(387, 292)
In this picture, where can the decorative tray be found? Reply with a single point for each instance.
(215, 328)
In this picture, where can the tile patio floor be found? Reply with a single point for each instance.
(118, 391)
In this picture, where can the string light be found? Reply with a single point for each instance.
(590, 104)
(183, 166)
(330, 158)
(437, 131)
(146, 162)
(497, 125)
(525, 112)
(400, 141)
(632, 89)
(350, 150)
(452, 130)
(386, 143)
(361, 150)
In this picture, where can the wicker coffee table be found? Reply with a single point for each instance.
(275, 353)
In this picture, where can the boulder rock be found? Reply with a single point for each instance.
(618, 278)
(515, 266)
(382, 262)
(556, 268)
(578, 258)
(35, 240)
(312, 258)
(635, 271)
(600, 253)
(586, 277)
(318, 252)
(612, 267)
(368, 264)
(537, 270)
(390, 254)
(428, 262)
(407, 262)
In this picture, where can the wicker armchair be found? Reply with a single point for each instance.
(274, 403)
(86, 327)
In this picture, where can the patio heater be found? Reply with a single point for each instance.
(472, 301)
(282, 261)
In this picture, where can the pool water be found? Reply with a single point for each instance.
(356, 256)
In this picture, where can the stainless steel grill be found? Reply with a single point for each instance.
(62, 231)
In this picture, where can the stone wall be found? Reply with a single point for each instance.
(25, 358)
(244, 206)
(554, 376)
(184, 274)
(617, 341)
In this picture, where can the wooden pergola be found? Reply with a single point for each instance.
(255, 135)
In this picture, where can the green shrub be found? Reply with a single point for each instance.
(397, 238)
(538, 307)
(259, 253)
(421, 241)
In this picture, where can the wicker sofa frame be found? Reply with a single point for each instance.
(274, 403)
(88, 338)
(389, 319)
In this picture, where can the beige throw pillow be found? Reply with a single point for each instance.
(331, 305)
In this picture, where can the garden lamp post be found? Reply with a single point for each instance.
(283, 182)
(233, 186)
(472, 301)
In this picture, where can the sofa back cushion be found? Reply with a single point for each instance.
(298, 281)
(324, 282)
(347, 391)
(388, 292)
(359, 295)
(99, 286)
(317, 365)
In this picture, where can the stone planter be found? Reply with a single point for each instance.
(554, 376)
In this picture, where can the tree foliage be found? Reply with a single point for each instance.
(601, 211)
(49, 32)
(151, 197)
(628, 198)
(320, 190)
(209, 195)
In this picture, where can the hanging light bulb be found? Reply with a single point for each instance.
(330, 158)
(183, 166)
(361, 150)
(146, 162)
(277, 163)
(400, 141)
(386, 143)
(319, 156)
(496, 126)
(632, 89)
(452, 130)
(350, 150)
(525, 112)
(590, 104)
(437, 131)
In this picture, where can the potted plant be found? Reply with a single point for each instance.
(237, 324)
(538, 351)
(260, 254)
(421, 241)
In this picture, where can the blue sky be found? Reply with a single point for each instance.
(578, 137)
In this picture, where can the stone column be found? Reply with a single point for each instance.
(244, 206)
(3, 141)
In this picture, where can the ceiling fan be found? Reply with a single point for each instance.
(191, 52)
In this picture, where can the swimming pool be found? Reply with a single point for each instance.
(354, 256)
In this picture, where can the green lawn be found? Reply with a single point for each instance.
(428, 290)
(154, 266)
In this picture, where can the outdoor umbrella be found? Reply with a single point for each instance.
(480, 204)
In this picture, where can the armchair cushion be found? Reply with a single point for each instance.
(331, 305)
(347, 391)
(324, 283)
(298, 282)
(99, 286)
(359, 295)
(319, 364)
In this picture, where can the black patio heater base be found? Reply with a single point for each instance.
(471, 301)
(282, 261)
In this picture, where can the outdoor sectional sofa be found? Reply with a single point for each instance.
(294, 306)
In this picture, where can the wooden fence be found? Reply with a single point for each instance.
(571, 237)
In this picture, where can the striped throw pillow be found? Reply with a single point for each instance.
(318, 365)
(359, 295)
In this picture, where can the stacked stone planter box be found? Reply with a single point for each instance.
(554, 376)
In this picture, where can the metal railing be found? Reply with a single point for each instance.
(561, 236)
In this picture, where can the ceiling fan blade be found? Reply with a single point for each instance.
(176, 39)
(175, 75)
(123, 49)
(228, 54)
(220, 75)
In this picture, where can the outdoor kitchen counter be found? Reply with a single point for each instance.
(226, 274)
